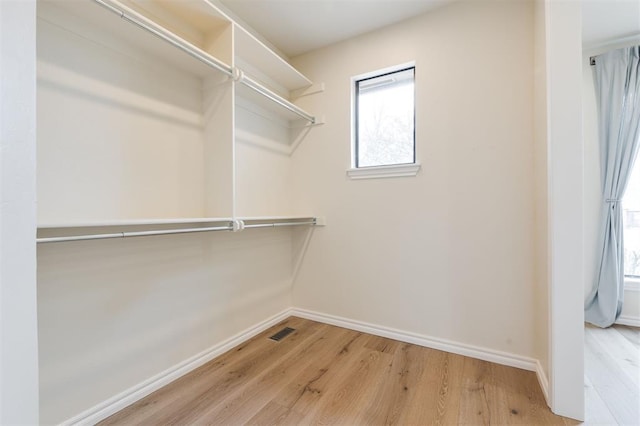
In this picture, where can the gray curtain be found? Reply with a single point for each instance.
(617, 81)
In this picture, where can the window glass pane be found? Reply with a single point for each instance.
(385, 119)
(631, 219)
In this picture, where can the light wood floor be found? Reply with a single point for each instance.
(322, 374)
(612, 375)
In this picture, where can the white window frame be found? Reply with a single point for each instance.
(384, 171)
(632, 282)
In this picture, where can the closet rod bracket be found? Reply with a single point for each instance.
(238, 225)
(237, 74)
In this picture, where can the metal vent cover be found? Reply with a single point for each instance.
(282, 334)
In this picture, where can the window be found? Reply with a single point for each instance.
(631, 221)
(384, 119)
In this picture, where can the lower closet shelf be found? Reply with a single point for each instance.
(54, 233)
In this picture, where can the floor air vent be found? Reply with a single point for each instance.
(282, 334)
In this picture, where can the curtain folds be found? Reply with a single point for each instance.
(617, 81)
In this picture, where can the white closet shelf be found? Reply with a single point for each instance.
(178, 34)
(189, 16)
(124, 23)
(206, 19)
(154, 38)
(253, 55)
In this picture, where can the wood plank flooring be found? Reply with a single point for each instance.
(612, 375)
(321, 374)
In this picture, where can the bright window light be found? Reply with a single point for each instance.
(385, 119)
(631, 220)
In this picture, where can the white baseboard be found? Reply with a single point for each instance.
(116, 403)
(628, 320)
(543, 381)
(477, 352)
(471, 351)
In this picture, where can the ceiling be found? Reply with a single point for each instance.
(299, 26)
(606, 21)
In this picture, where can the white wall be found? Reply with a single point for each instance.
(593, 187)
(263, 179)
(448, 253)
(541, 185)
(565, 168)
(115, 141)
(18, 320)
(114, 313)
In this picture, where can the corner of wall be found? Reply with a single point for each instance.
(18, 328)
(540, 157)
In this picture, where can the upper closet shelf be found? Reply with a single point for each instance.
(193, 35)
(259, 60)
(202, 24)
(148, 35)
(193, 43)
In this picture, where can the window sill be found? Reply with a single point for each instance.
(632, 284)
(377, 172)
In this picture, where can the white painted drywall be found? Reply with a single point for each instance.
(114, 313)
(592, 185)
(565, 165)
(541, 185)
(605, 22)
(592, 182)
(115, 140)
(448, 253)
(18, 315)
(263, 165)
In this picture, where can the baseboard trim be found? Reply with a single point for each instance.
(472, 351)
(485, 354)
(543, 381)
(116, 403)
(628, 320)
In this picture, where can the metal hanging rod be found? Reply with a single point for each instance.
(203, 57)
(259, 88)
(168, 37)
(131, 234)
(237, 226)
(277, 224)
